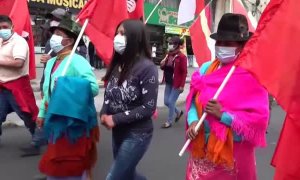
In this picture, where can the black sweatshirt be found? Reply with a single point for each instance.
(133, 103)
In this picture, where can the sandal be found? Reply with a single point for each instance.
(166, 125)
(179, 116)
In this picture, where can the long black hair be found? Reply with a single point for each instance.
(137, 48)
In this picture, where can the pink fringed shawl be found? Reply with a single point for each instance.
(243, 98)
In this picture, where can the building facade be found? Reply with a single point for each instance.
(161, 25)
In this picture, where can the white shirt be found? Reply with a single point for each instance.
(14, 48)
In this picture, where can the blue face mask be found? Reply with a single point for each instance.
(55, 43)
(5, 34)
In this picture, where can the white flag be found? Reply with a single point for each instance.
(186, 12)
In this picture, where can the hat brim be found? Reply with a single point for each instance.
(74, 35)
(218, 37)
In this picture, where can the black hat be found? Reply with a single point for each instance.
(69, 26)
(57, 13)
(175, 40)
(232, 27)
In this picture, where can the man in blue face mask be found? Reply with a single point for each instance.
(16, 94)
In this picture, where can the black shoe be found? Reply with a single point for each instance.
(30, 151)
(179, 116)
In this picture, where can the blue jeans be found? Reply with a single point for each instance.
(128, 150)
(8, 104)
(171, 96)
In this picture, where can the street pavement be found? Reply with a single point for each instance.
(161, 162)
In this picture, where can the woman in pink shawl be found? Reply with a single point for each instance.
(224, 147)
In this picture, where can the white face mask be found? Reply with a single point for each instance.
(55, 43)
(226, 54)
(119, 43)
(171, 47)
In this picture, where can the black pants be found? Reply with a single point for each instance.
(8, 104)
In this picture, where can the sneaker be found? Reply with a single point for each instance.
(166, 125)
(30, 150)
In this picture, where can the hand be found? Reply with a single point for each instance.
(163, 62)
(107, 121)
(40, 122)
(44, 59)
(213, 107)
(191, 133)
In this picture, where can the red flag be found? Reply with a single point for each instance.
(200, 33)
(200, 5)
(272, 55)
(22, 25)
(135, 9)
(239, 8)
(104, 17)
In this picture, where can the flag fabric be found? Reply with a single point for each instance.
(135, 9)
(200, 32)
(188, 9)
(272, 56)
(239, 8)
(104, 17)
(200, 5)
(18, 11)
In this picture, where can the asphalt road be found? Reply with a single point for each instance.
(160, 163)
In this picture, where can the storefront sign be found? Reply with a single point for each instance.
(162, 15)
(72, 4)
(177, 30)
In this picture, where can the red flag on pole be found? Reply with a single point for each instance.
(104, 17)
(272, 55)
(200, 33)
(17, 10)
(135, 9)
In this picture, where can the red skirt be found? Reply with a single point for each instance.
(64, 158)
